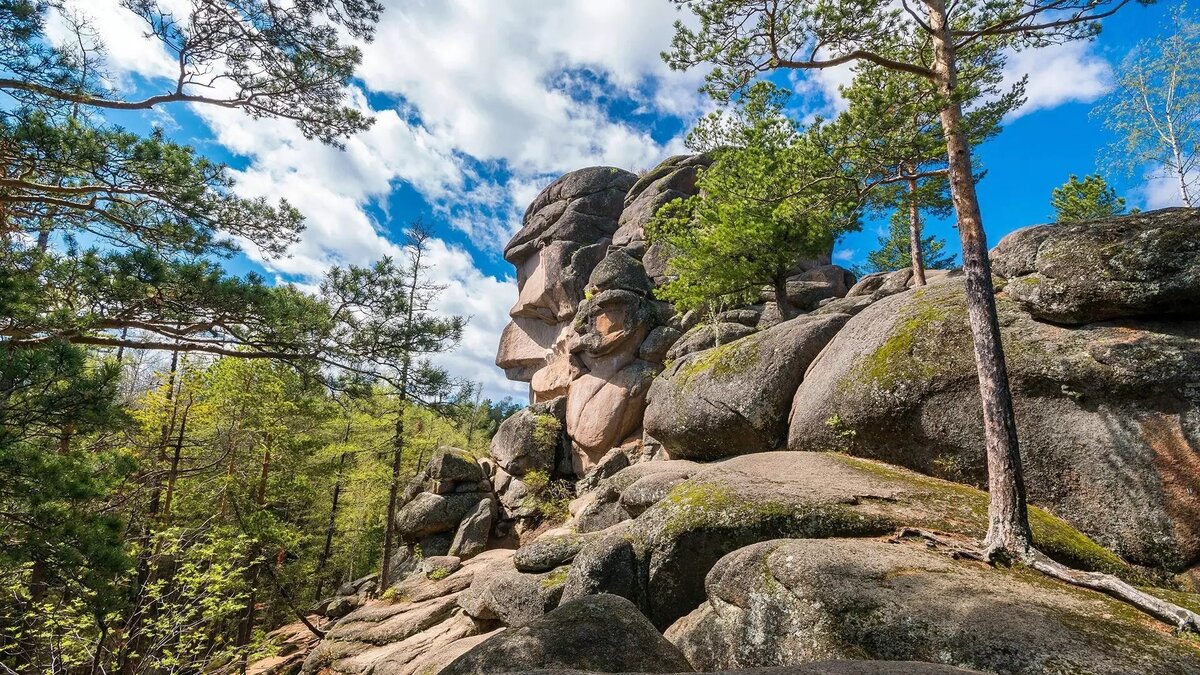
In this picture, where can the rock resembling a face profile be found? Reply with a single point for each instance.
(585, 305)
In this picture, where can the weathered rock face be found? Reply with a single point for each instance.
(1143, 265)
(602, 633)
(422, 631)
(1108, 414)
(531, 439)
(674, 179)
(734, 399)
(721, 507)
(566, 233)
(793, 601)
(448, 509)
(586, 325)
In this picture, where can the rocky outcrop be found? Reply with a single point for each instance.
(418, 629)
(751, 556)
(601, 633)
(734, 399)
(1142, 265)
(793, 601)
(447, 510)
(565, 234)
(752, 498)
(1108, 414)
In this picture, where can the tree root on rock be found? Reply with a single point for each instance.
(1180, 618)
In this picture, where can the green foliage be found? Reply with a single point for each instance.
(844, 433)
(895, 252)
(765, 203)
(60, 462)
(1087, 199)
(1154, 109)
(549, 498)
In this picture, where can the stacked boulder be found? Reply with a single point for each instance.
(588, 327)
(531, 441)
(448, 510)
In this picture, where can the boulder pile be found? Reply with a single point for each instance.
(766, 496)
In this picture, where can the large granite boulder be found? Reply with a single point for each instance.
(431, 513)
(1142, 265)
(511, 598)
(566, 233)
(674, 179)
(605, 403)
(793, 601)
(1108, 414)
(734, 399)
(600, 633)
(752, 498)
(531, 439)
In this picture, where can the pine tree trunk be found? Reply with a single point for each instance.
(389, 536)
(786, 310)
(173, 471)
(331, 527)
(914, 234)
(1008, 518)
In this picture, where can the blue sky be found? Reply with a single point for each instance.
(479, 104)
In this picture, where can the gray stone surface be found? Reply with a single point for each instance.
(706, 335)
(602, 633)
(549, 552)
(602, 512)
(531, 438)
(581, 206)
(451, 465)
(792, 601)
(510, 597)
(607, 564)
(734, 399)
(1142, 265)
(1108, 414)
(649, 490)
(430, 513)
(472, 535)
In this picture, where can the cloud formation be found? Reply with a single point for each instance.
(478, 105)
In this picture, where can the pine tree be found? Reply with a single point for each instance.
(895, 249)
(1087, 199)
(763, 204)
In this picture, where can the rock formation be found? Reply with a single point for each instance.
(1108, 412)
(709, 533)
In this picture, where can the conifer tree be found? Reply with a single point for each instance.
(764, 204)
(895, 249)
(1089, 199)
